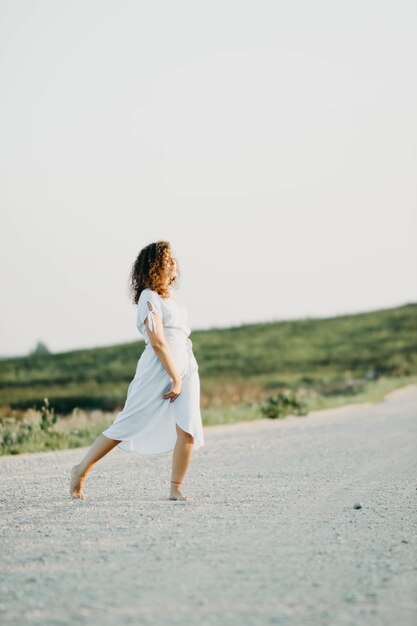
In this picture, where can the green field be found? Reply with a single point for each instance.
(321, 362)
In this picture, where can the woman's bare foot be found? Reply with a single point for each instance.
(77, 482)
(176, 493)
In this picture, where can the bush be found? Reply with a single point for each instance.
(285, 403)
(17, 434)
(48, 416)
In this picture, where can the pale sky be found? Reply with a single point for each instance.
(272, 143)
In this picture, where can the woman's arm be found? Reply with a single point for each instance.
(163, 352)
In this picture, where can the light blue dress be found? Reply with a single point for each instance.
(146, 424)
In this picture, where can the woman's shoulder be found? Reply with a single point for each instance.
(147, 295)
(148, 291)
(151, 294)
(149, 300)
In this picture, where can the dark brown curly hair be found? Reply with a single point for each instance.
(151, 268)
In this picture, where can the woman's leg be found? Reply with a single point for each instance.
(180, 461)
(101, 446)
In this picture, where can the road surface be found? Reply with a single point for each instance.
(270, 537)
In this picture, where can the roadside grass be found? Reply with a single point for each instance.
(44, 430)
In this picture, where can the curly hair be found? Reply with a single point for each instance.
(151, 268)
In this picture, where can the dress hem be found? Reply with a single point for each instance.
(151, 454)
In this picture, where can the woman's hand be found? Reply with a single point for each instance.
(175, 390)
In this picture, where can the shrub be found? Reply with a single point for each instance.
(282, 404)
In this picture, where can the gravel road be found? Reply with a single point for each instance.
(270, 537)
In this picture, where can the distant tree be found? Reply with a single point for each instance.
(41, 348)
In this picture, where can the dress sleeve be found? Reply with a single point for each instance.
(149, 306)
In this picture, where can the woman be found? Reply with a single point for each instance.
(162, 408)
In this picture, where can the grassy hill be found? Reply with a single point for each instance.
(247, 372)
(329, 354)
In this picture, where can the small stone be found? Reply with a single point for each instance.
(352, 598)
(357, 505)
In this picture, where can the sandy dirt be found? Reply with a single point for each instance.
(270, 537)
